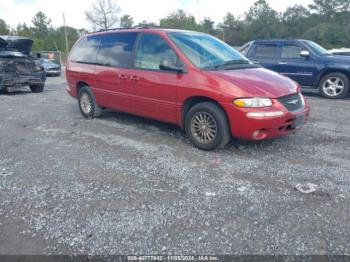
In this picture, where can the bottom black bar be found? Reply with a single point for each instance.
(171, 258)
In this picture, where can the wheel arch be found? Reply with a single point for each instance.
(329, 71)
(193, 100)
(79, 85)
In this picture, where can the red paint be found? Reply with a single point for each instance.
(161, 95)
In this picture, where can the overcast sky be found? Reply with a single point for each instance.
(15, 11)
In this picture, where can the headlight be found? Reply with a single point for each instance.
(253, 102)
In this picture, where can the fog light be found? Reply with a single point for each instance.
(265, 114)
(256, 134)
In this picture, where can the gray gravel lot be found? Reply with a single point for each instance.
(122, 184)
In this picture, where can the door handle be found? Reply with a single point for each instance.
(256, 62)
(123, 77)
(134, 78)
(282, 63)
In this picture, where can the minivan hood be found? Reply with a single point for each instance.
(258, 82)
(22, 44)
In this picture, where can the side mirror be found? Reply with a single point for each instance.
(305, 54)
(169, 65)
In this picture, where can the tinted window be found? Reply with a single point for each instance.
(152, 50)
(291, 51)
(116, 49)
(86, 50)
(266, 51)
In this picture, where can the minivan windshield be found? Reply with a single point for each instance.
(207, 52)
(319, 50)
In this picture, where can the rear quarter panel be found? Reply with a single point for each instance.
(77, 72)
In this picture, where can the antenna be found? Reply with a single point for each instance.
(199, 12)
(65, 34)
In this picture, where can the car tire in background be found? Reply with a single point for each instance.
(207, 126)
(334, 85)
(87, 103)
(37, 88)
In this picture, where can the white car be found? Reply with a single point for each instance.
(341, 51)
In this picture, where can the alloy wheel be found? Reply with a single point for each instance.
(85, 103)
(333, 86)
(203, 127)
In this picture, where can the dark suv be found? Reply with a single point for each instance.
(303, 61)
(17, 66)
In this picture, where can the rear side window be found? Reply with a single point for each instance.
(116, 49)
(291, 51)
(152, 50)
(86, 50)
(266, 51)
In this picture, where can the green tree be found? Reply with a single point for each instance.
(42, 24)
(329, 8)
(208, 26)
(145, 23)
(126, 21)
(295, 20)
(4, 28)
(233, 31)
(329, 35)
(24, 30)
(263, 21)
(180, 20)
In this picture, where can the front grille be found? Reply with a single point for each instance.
(53, 69)
(292, 102)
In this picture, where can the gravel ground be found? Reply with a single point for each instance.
(122, 184)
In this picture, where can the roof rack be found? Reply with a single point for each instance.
(146, 27)
(127, 28)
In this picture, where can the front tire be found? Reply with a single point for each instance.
(334, 85)
(37, 88)
(207, 126)
(87, 103)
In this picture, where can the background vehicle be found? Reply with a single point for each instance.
(187, 78)
(305, 62)
(50, 68)
(341, 51)
(17, 67)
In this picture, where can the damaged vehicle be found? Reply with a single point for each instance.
(50, 67)
(17, 67)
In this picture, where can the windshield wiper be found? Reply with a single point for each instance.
(232, 62)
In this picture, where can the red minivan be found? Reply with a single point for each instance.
(187, 78)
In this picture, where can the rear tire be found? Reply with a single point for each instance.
(37, 88)
(334, 86)
(87, 103)
(207, 126)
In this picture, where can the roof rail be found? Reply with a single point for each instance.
(110, 29)
(127, 28)
(146, 26)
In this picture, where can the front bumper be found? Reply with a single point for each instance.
(52, 72)
(258, 128)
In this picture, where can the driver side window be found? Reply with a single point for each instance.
(291, 51)
(152, 51)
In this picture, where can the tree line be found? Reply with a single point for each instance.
(326, 22)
